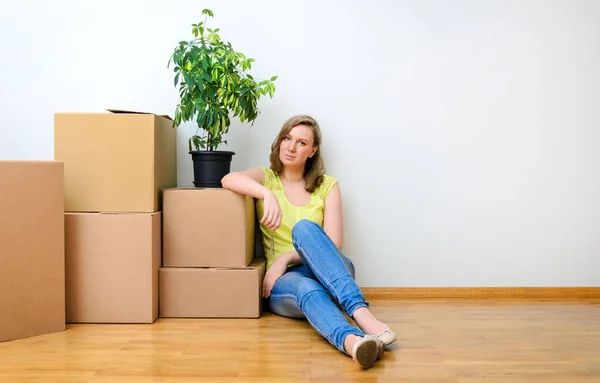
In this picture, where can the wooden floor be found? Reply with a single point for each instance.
(466, 341)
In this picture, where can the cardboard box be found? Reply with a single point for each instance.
(212, 292)
(115, 162)
(32, 253)
(210, 227)
(112, 262)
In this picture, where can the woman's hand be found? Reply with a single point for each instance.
(277, 269)
(272, 214)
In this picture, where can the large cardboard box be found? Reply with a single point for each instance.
(212, 292)
(210, 227)
(112, 262)
(116, 162)
(32, 253)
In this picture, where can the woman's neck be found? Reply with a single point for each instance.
(292, 176)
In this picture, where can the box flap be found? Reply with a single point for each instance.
(134, 112)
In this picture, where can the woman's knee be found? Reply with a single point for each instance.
(302, 228)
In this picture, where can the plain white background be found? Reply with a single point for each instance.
(464, 133)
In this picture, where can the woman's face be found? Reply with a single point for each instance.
(297, 146)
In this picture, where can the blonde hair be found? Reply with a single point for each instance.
(314, 168)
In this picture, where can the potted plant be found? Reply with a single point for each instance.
(214, 83)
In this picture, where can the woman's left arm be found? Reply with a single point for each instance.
(332, 220)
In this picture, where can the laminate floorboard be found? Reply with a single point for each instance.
(439, 341)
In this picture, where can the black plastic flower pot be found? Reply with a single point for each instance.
(210, 167)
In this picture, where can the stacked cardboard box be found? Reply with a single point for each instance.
(210, 265)
(116, 166)
(32, 255)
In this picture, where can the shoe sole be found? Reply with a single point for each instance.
(368, 353)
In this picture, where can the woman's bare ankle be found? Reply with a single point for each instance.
(367, 322)
(349, 343)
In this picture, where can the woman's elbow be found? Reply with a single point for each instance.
(334, 236)
(337, 242)
(226, 181)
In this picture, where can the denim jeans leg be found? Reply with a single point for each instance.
(296, 295)
(323, 258)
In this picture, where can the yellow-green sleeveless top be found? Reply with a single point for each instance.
(281, 240)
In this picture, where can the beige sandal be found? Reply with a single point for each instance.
(387, 336)
(367, 350)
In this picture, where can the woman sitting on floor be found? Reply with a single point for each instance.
(301, 222)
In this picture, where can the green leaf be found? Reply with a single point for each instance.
(274, 78)
(207, 12)
(211, 92)
(271, 90)
(188, 79)
(176, 79)
(201, 118)
(196, 51)
(198, 142)
(263, 82)
(210, 119)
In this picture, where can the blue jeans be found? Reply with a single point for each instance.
(319, 288)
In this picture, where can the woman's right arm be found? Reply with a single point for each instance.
(248, 182)
(251, 182)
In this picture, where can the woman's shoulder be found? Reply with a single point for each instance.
(270, 177)
(329, 180)
(327, 183)
(266, 170)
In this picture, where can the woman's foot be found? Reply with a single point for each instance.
(365, 351)
(367, 322)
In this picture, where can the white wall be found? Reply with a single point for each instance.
(464, 133)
